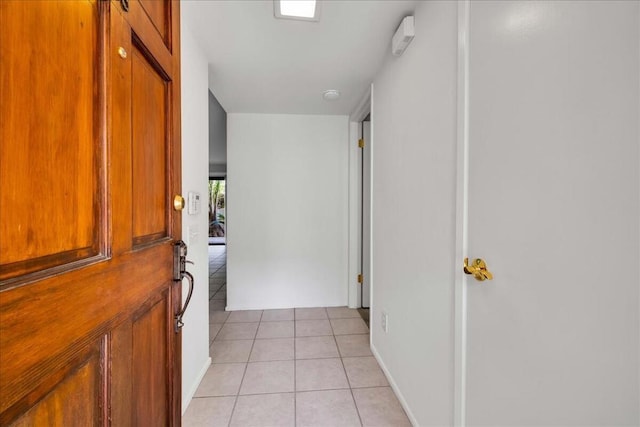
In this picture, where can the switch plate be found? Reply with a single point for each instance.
(385, 321)
(193, 203)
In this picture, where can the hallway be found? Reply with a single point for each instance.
(217, 278)
(293, 367)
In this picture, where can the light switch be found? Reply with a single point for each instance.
(193, 203)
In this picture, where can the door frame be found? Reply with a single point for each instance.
(365, 206)
(462, 218)
(356, 117)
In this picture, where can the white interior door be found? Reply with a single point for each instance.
(553, 208)
(366, 214)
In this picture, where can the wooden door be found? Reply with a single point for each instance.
(553, 209)
(89, 164)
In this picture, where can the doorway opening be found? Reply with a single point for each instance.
(217, 249)
(364, 166)
(217, 212)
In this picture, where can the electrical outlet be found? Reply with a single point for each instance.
(385, 321)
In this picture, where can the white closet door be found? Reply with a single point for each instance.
(553, 208)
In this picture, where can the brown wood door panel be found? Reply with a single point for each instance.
(140, 349)
(150, 102)
(151, 384)
(89, 342)
(158, 13)
(54, 123)
(121, 386)
(147, 35)
(76, 401)
(72, 396)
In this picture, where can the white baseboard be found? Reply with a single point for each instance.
(186, 398)
(394, 386)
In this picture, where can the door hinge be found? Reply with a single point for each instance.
(361, 143)
(360, 278)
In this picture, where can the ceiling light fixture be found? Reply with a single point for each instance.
(331, 94)
(304, 10)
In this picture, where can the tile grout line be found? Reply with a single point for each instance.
(347, 376)
(288, 392)
(246, 366)
(294, 340)
(236, 397)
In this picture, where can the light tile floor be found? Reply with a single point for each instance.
(294, 367)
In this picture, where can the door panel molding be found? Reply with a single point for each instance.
(64, 128)
(145, 30)
(159, 14)
(28, 271)
(91, 356)
(150, 355)
(150, 149)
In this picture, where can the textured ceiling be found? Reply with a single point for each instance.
(259, 64)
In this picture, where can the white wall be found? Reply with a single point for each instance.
(195, 173)
(413, 215)
(217, 138)
(287, 204)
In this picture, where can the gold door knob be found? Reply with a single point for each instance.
(178, 202)
(478, 268)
